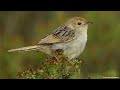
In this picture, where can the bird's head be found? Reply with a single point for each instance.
(77, 23)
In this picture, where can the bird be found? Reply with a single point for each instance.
(70, 37)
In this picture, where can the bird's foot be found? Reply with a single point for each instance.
(53, 60)
(70, 63)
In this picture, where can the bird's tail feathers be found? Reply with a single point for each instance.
(28, 48)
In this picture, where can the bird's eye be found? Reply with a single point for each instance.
(79, 23)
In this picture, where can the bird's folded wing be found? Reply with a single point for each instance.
(62, 34)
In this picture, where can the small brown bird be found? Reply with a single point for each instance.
(71, 37)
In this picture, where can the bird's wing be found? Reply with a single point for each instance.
(62, 34)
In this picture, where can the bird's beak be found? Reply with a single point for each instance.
(88, 23)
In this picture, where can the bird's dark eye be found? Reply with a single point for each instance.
(79, 23)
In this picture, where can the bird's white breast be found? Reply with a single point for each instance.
(74, 48)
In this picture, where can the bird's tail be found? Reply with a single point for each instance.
(29, 48)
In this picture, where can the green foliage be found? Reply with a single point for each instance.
(53, 69)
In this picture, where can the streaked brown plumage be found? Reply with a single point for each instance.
(71, 37)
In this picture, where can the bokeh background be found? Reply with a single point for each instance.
(24, 28)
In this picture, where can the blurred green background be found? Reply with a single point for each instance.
(24, 28)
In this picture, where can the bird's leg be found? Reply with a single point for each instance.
(63, 58)
(59, 54)
(70, 63)
(52, 60)
(56, 58)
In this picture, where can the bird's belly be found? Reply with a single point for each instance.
(72, 49)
